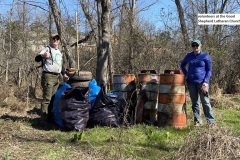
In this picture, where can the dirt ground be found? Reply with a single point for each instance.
(21, 142)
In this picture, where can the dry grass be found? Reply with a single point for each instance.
(19, 140)
(26, 135)
(22, 139)
(21, 143)
(225, 101)
(210, 143)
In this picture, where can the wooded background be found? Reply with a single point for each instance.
(115, 39)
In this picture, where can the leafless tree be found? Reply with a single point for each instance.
(182, 23)
(134, 42)
(103, 9)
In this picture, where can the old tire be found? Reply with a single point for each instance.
(80, 76)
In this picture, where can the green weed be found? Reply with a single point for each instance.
(7, 156)
(230, 118)
(236, 100)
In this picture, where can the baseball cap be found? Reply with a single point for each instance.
(196, 41)
(55, 35)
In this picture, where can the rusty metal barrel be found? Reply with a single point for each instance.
(124, 86)
(148, 85)
(172, 100)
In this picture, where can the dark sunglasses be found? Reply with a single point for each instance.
(56, 38)
(195, 45)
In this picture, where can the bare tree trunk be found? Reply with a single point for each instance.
(19, 77)
(26, 52)
(89, 18)
(50, 21)
(110, 64)
(193, 19)
(24, 42)
(121, 24)
(103, 8)
(10, 31)
(61, 32)
(206, 11)
(218, 27)
(6, 79)
(132, 27)
(182, 23)
(205, 26)
(110, 57)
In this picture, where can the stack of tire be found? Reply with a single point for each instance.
(79, 78)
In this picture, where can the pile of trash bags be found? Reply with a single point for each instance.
(77, 108)
(104, 111)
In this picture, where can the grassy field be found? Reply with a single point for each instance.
(25, 135)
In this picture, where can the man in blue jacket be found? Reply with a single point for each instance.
(198, 75)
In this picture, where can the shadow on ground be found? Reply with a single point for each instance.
(35, 118)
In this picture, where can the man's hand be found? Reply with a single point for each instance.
(204, 89)
(204, 84)
(65, 78)
(46, 55)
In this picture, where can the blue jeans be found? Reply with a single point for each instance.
(207, 109)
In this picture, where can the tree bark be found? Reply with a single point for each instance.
(218, 27)
(94, 30)
(205, 26)
(103, 8)
(182, 23)
(132, 28)
(89, 18)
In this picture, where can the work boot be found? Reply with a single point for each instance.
(197, 124)
(44, 107)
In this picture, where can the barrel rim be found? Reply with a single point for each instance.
(164, 74)
(123, 74)
(148, 74)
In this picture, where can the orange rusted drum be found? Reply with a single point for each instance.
(172, 99)
(124, 86)
(148, 85)
(167, 98)
(172, 79)
(173, 71)
(180, 120)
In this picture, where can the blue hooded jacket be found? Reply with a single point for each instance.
(199, 67)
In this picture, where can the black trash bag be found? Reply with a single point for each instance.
(104, 111)
(74, 108)
(103, 100)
